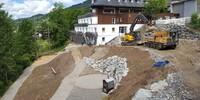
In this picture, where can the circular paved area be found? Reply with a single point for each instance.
(93, 81)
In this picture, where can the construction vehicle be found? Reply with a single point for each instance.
(156, 38)
(134, 37)
(161, 39)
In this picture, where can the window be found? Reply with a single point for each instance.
(109, 11)
(120, 20)
(95, 29)
(137, 1)
(103, 29)
(113, 29)
(91, 20)
(123, 10)
(87, 21)
(137, 10)
(113, 20)
(103, 39)
(122, 29)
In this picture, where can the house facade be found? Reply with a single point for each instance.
(185, 8)
(109, 18)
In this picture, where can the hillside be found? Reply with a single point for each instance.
(85, 4)
(37, 18)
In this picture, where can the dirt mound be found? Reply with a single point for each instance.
(186, 60)
(42, 83)
(140, 72)
(87, 51)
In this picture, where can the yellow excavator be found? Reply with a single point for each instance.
(156, 38)
(133, 38)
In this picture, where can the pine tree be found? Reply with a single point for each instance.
(7, 62)
(25, 44)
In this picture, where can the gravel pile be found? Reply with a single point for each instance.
(183, 31)
(171, 88)
(114, 66)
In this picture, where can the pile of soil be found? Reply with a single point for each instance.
(87, 51)
(140, 72)
(187, 62)
(43, 83)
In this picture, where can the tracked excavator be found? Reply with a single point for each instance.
(133, 37)
(156, 38)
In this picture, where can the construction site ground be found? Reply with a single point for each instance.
(74, 80)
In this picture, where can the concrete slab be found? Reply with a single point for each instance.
(85, 94)
(93, 81)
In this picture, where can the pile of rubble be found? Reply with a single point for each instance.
(183, 31)
(114, 66)
(171, 88)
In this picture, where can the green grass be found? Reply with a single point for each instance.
(46, 49)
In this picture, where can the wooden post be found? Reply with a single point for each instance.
(53, 70)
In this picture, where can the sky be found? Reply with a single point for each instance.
(28, 8)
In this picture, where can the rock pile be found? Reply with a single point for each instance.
(183, 31)
(171, 88)
(114, 66)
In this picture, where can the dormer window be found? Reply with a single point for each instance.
(109, 11)
(123, 10)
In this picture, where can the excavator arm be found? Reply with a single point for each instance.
(133, 36)
(139, 19)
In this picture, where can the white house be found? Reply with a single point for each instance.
(109, 18)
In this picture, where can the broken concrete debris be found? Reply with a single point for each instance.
(171, 88)
(114, 66)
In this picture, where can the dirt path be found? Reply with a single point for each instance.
(43, 83)
(15, 87)
(12, 91)
(68, 82)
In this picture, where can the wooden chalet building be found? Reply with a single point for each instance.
(109, 18)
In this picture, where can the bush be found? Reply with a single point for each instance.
(43, 45)
(195, 21)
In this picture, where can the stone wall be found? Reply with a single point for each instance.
(178, 21)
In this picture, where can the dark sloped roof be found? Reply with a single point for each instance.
(179, 1)
(87, 15)
(116, 3)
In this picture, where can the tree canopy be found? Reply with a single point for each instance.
(7, 62)
(153, 7)
(18, 45)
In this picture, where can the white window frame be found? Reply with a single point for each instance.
(113, 20)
